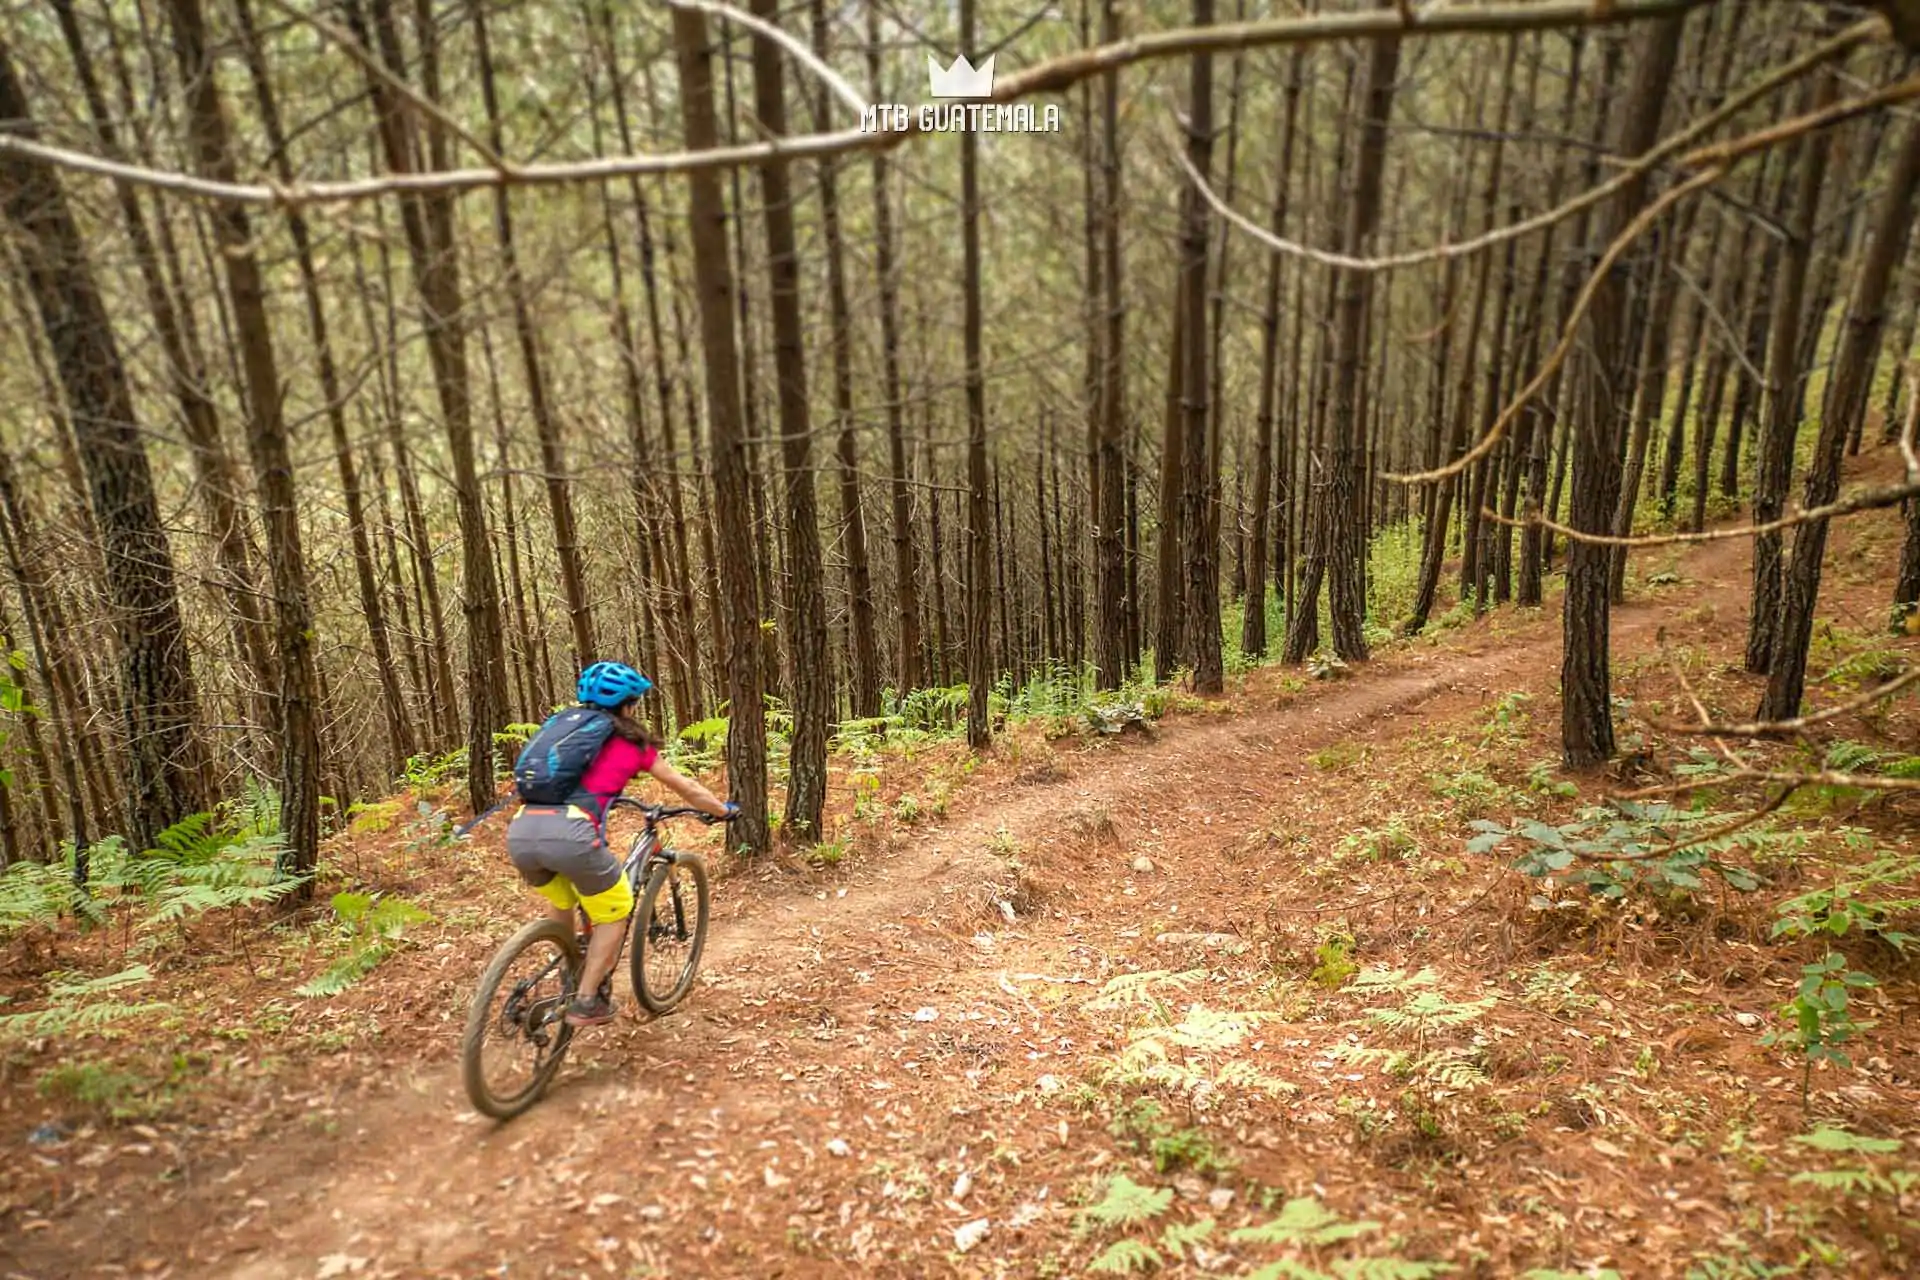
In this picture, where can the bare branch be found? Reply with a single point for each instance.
(1790, 728)
(375, 67)
(1792, 781)
(801, 52)
(1866, 500)
(1718, 159)
(1774, 80)
(1051, 76)
(1568, 332)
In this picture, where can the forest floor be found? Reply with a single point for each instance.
(885, 1071)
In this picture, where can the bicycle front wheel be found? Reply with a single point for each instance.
(670, 932)
(517, 1031)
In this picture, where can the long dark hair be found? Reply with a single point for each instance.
(625, 725)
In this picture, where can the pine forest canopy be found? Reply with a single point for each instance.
(369, 367)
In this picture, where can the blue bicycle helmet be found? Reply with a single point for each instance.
(609, 684)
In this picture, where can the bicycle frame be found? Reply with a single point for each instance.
(644, 852)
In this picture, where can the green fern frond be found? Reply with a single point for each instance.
(1846, 1181)
(1852, 757)
(1389, 1269)
(1124, 1257)
(1181, 1236)
(1304, 1221)
(1127, 1203)
(345, 971)
(1289, 1269)
(1374, 980)
(1828, 1137)
(1130, 990)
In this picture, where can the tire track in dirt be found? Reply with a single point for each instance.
(423, 1186)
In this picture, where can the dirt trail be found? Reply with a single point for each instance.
(713, 1127)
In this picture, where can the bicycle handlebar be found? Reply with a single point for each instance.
(658, 812)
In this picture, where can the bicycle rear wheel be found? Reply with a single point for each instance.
(517, 1031)
(670, 932)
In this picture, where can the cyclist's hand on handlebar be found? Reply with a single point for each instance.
(733, 811)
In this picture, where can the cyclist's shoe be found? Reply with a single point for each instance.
(606, 990)
(590, 1011)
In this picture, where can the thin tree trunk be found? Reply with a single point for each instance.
(1846, 404)
(1586, 730)
(163, 757)
(739, 639)
(428, 223)
(400, 740)
(979, 563)
(1199, 460)
(296, 707)
(809, 657)
(546, 426)
(1253, 627)
(1781, 426)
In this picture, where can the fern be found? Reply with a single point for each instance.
(1179, 1237)
(1131, 990)
(375, 926)
(1304, 1222)
(74, 1006)
(1127, 1203)
(1834, 1138)
(1906, 767)
(1124, 1257)
(1388, 1269)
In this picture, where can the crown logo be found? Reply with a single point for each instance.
(961, 80)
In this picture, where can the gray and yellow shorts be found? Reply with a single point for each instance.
(558, 850)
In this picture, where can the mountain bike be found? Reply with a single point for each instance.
(525, 1016)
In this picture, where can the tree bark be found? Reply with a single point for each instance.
(1846, 404)
(809, 658)
(979, 553)
(1199, 460)
(164, 758)
(739, 638)
(428, 222)
(546, 426)
(296, 706)
(1586, 723)
(1783, 381)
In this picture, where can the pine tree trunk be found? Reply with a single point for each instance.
(739, 639)
(164, 757)
(1199, 460)
(809, 661)
(1253, 627)
(1586, 728)
(1782, 422)
(979, 553)
(296, 707)
(428, 223)
(566, 539)
(1846, 404)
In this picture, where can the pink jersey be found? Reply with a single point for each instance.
(616, 765)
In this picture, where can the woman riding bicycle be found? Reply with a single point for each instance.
(561, 849)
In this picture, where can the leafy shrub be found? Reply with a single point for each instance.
(1846, 906)
(1622, 847)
